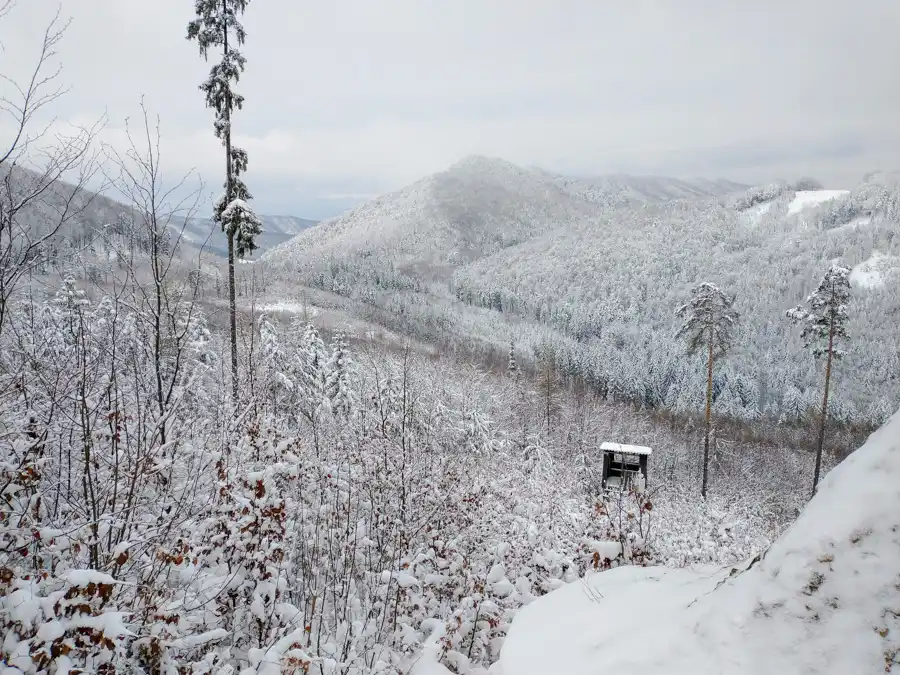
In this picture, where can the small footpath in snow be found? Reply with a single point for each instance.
(824, 599)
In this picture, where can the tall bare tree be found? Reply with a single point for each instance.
(216, 26)
(709, 322)
(34, 202)
(824, 322)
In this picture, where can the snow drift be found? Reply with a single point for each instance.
(824, 598)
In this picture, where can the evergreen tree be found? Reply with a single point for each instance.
(879, 412)
(311, 378)
(215, 23)
(337, 377)
(824, 322)
(709, 322)
(511, 366)
(793, 406)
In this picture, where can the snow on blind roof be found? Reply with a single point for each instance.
(627, 449)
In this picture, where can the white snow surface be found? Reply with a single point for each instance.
(824, 599)
(610, 446)
(805, 199)
(873, 272)
(82, 578)
(755, 214)
(288, 307)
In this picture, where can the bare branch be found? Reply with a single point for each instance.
(44, 171)
(39, 92)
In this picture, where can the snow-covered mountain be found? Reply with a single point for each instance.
(474, 208)
(597, 266)
(824, 599)
(477, 207)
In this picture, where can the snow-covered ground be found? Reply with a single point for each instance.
(854, 224)
(873, 272)
(287, 307)
(755, 213)
(824, 598)
(805, 199)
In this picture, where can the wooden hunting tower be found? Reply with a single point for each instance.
(622, 462)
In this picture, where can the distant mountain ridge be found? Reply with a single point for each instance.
(93, 213)
(623, 189)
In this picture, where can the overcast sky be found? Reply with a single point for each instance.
(347, 98)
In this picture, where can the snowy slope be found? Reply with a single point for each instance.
(805, 199)
(874, 271)
(476, 207)
(824, 599)
(621, 189)
(618, 275)
(90, 213)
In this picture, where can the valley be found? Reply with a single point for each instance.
(492, 419)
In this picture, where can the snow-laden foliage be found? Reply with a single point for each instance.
(357, 509)
(239, 218)
(825, 320)
(709, 320)
(217, 26)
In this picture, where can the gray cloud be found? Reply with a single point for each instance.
(355, 96)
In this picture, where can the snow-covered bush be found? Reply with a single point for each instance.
(356, 510)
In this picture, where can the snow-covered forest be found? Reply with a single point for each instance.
(366, 449)
(593, 278)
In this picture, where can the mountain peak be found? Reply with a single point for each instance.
(483, 164)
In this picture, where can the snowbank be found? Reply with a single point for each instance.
(805, 199)
(825, 598)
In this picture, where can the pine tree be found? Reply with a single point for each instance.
(709, 322)
(216, 22)
(824, 322)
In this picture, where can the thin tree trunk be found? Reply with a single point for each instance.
(709, 389)
(232, 316)
(821, 443)
(232, 304)
(547, 394)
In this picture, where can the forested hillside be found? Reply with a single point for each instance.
(232, 443)
(588, 274)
